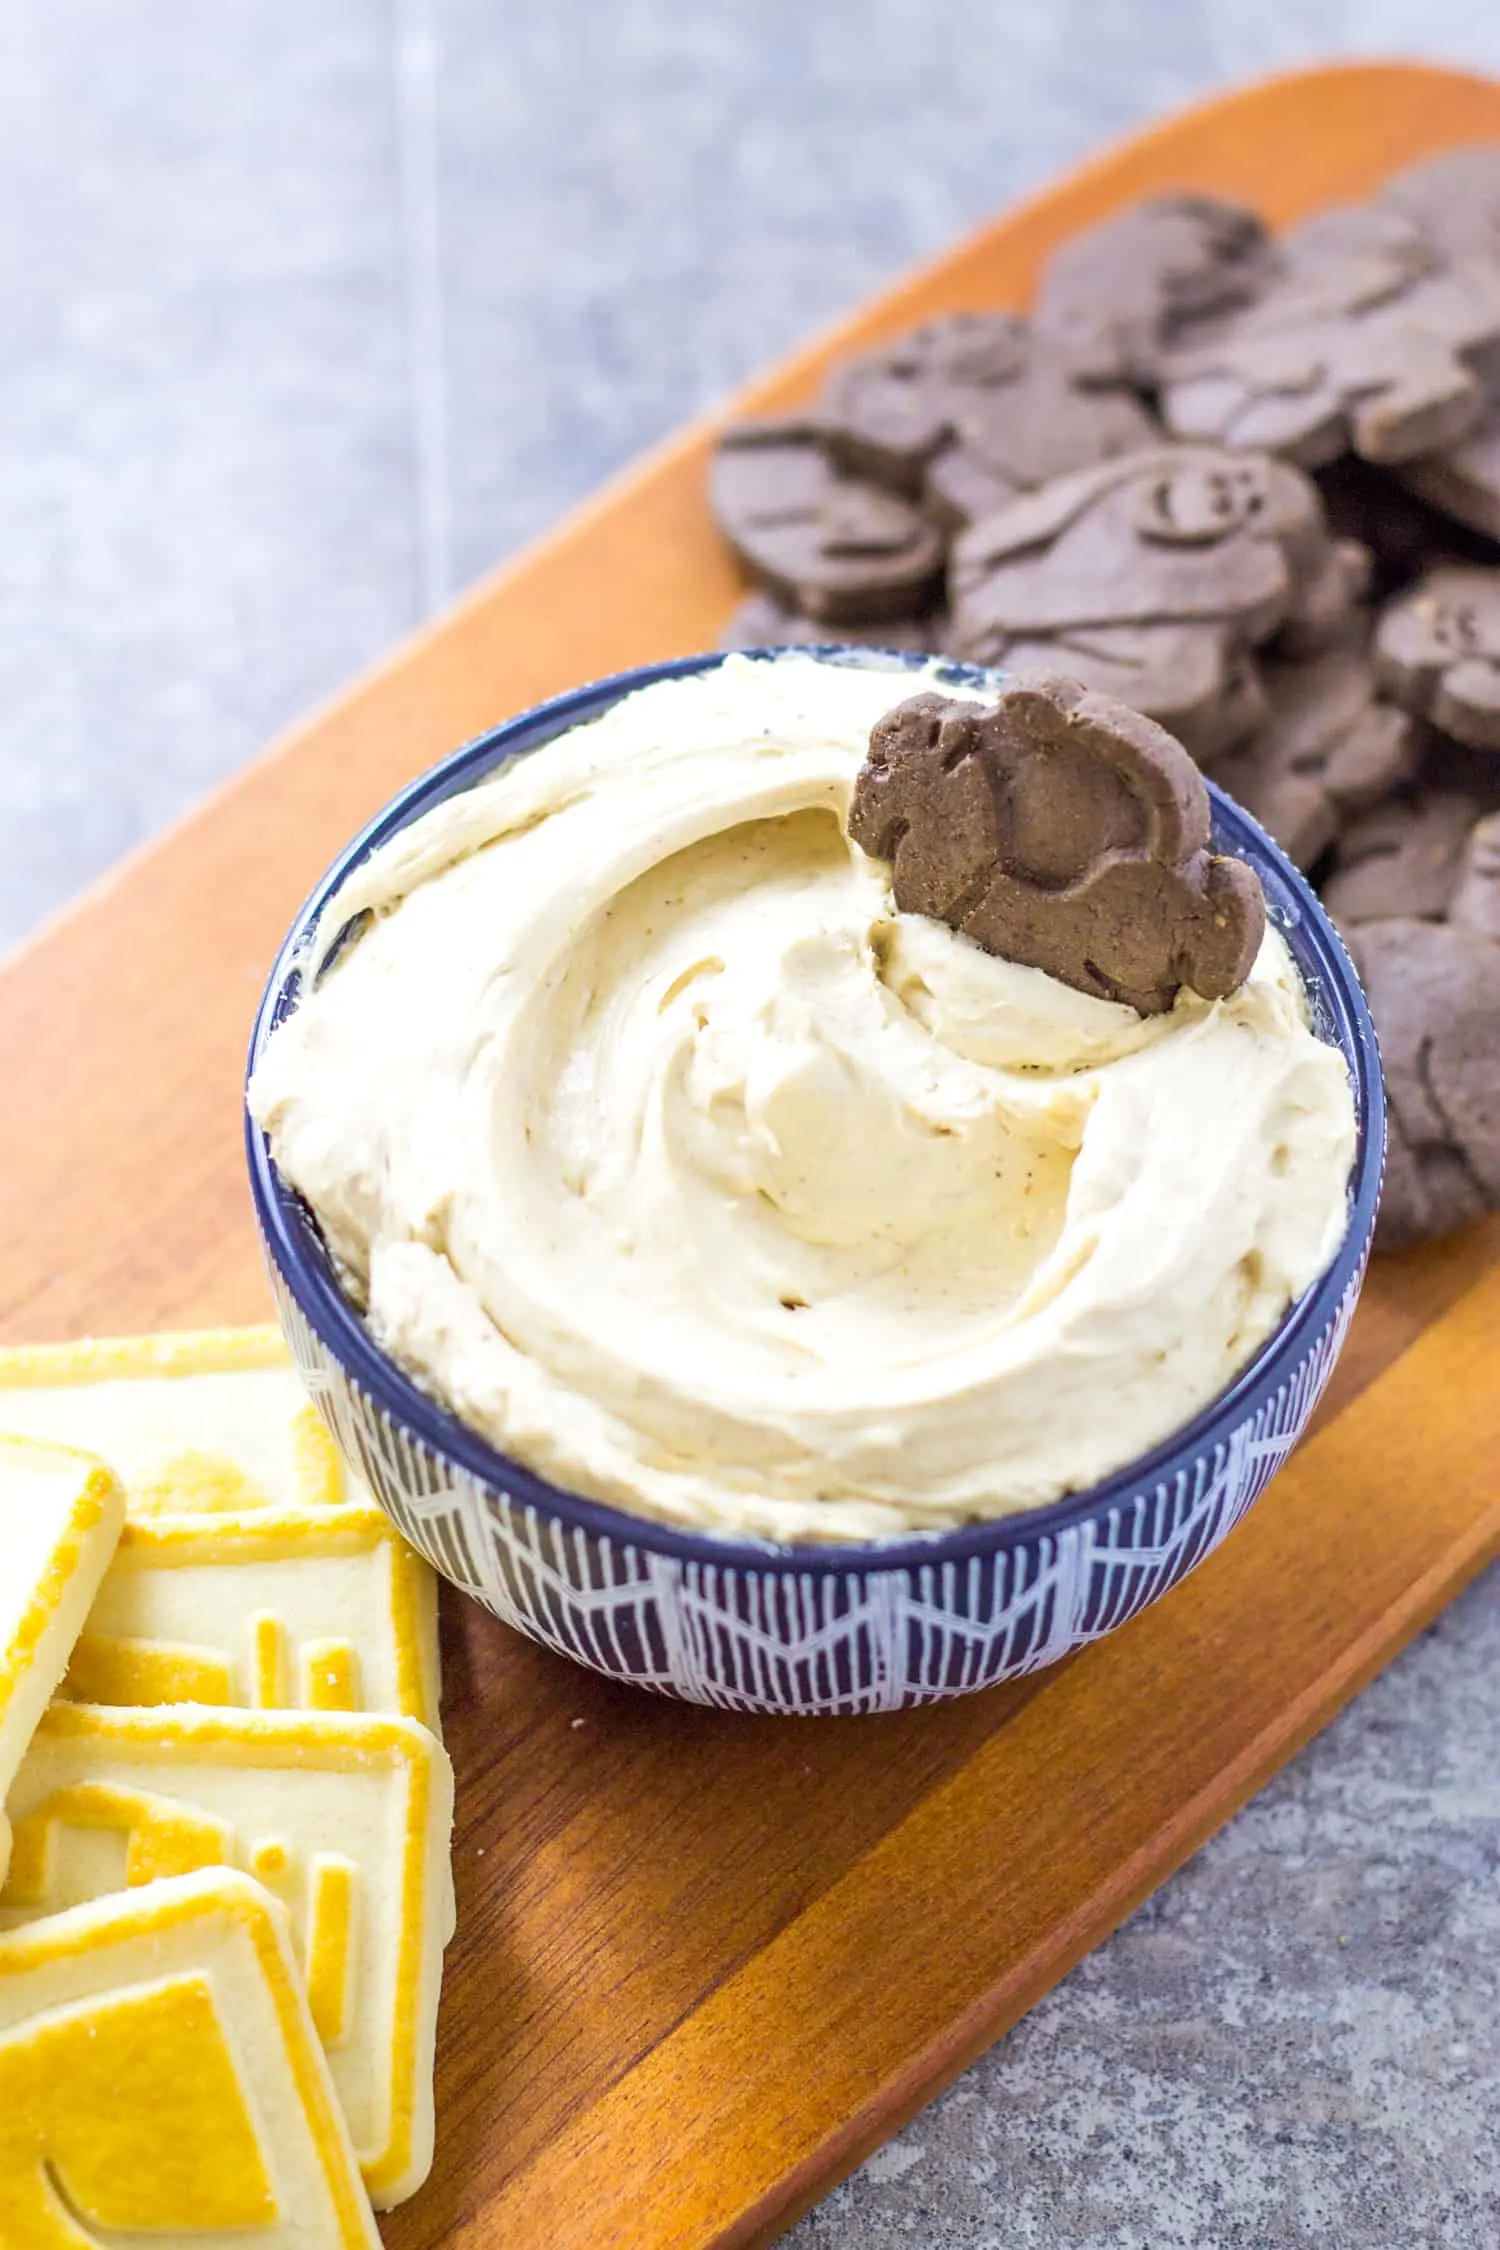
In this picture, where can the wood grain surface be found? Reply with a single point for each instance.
(705, 1963)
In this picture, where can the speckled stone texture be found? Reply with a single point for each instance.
(309, 314)
(1292, 2046)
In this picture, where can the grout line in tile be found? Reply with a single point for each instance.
(414, 63)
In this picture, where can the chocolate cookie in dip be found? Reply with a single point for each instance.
(660, 1136)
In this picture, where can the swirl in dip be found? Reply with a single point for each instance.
(658, 1144)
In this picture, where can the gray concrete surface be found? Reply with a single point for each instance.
(308, 314)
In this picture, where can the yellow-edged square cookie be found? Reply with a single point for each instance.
(253, 1570)
(212, 1422)
(60, 1519)
(160, 2080)
(317, 1610)
(346, 1818)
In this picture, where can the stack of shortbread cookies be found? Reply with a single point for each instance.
(226, 1809)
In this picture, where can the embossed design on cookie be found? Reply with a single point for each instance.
(829, 545)
(1148, 578)
(1438, 651)
(1061, 830)
(196, 2160)
(160, 2077)
(331, 1612)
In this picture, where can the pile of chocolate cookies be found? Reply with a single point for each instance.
(1249, 485)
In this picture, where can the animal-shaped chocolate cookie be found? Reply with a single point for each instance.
(1061, 830)
(1119, 293)
(1368, 342)
(1463, 480)
(761, 621)
(1329, 747)
(970, 411)
(1434, 992)
(1401, 858)
(1453, 199)
(829, 545)
(889, 410)
(1148, 578)
(1437, 650)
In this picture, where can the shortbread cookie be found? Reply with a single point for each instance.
(325, 1610)
(211, 1423)
(161, 2081)
(60, 1519)
(346, 1819)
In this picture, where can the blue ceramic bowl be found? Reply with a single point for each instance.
(808, 1629)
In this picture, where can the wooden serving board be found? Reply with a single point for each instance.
(706, 1963)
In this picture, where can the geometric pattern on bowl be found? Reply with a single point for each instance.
(743, 1624)
(812, 1640)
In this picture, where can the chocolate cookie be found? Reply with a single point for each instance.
(1367, 342)
(1329, 748)
(1434, 993)
(830, 546)
(970, 411)
(1121, 292)
(1061, 830)
(1149, 578)
(1475, 904)
(1327, 599)
(889, 410)
(1437, 650)
(1381, 509)
(1463, 481)
(1402, 858)
(1454, 200)
(761, 621)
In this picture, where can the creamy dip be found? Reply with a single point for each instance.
(654, 1140)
